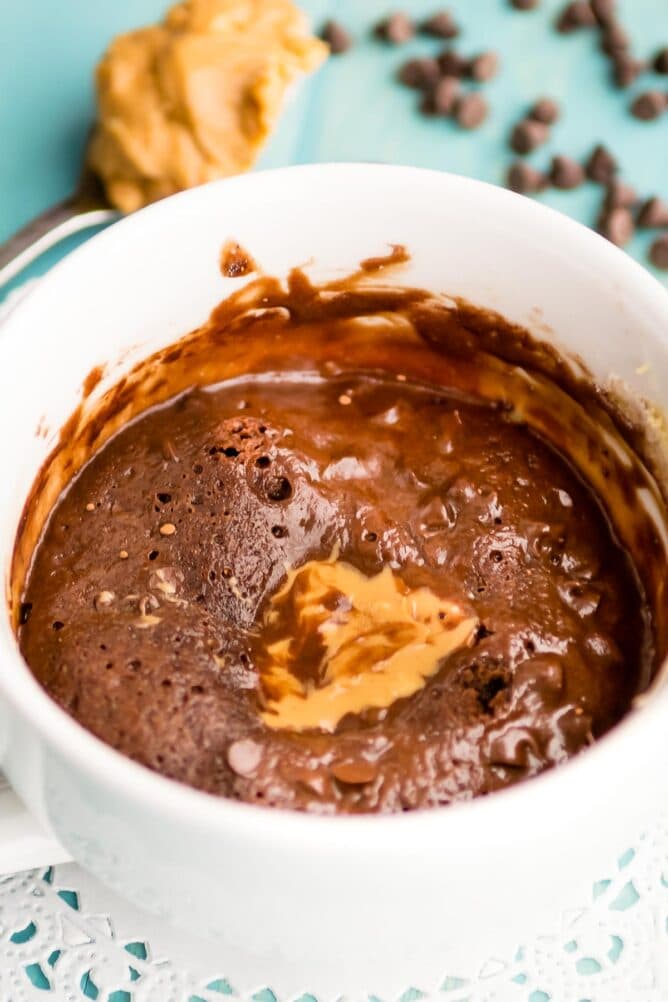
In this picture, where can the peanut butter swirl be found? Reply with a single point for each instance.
(364, 641)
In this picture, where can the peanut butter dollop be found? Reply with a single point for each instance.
(195, 98)
(341, 642)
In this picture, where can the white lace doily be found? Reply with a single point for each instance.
(65, 937)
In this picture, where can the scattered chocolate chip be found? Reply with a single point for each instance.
(528, 135)
(471, 110)
(617, 226)
(396, 29)
(25, 610)
(620, 196)
(649, 105)
(601, 165)
(452, 64)
(658, 252)
(614, 39)
(445, 95)
(244, 756)
(604, 11)
(545, 110)
(578, 14)
(626, 69)
(653, 214)
(484, 67)
(524, 179)
(566, 173)
(440, 25)
(524, 4)
(336, 36)
(660, 63)
(420, 73)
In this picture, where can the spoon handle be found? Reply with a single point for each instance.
(47, 230)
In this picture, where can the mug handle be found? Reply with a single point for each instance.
(24, 845)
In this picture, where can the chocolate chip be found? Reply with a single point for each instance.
(440, 25)
(25, 609)
(471, 110)
(614, 39)
(445, 95)
(542, 674)
(620, 196)
(578, 14)
(396, 29)
(653, 214)
(452, 64)
(649, 105)
(484, 67)
(626, 69)
(528, 135)
(658, 252)
(617, 226)
(524, 179)
(419, 73)
(661, 61)
(514, 747)
(601, 165)
(604, 11)
(244, 756)
(566, 173)
(524, 4)
(546, 111)
(354, 773)
(336, 36)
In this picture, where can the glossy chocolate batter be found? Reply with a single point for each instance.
(165, 609)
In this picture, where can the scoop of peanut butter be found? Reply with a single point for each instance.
(195, 98)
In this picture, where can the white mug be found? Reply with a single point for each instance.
(329, 906)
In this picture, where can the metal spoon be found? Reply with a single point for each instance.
(87, 206)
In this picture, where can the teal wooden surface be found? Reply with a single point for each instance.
(353, 109)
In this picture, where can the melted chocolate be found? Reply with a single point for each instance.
(148, 589)
(235, 262)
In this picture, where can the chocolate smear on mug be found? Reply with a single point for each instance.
(235, 262)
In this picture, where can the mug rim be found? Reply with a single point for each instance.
(510, 814)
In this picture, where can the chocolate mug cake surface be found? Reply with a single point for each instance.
(328, 587)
